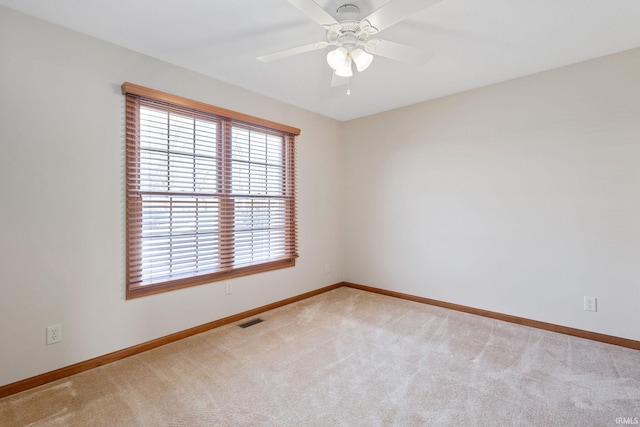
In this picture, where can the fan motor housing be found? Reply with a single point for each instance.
(347, 34)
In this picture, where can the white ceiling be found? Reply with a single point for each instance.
(474, 43)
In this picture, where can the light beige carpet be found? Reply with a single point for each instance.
(350, 358)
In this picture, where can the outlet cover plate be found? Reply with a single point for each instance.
(590, 304)
(54, 334)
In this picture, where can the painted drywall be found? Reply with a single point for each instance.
(519, 198)
(62, 206)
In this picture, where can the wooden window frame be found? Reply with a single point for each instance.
(136, 94)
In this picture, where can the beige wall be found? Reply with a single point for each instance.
(519, 198)
(62, 200)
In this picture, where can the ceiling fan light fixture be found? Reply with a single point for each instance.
(362, 59)
(350, 36)
(336, 58)
(345, 69)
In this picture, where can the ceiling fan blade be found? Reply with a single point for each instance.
(293, 51)
(392, 13)
(313, 11)
(398, 51)
(337, 80)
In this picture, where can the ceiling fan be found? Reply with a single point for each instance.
(351, 36)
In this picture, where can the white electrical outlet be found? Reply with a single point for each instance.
(54, 334)
(327, 268)
(228, 288)
(590, 304)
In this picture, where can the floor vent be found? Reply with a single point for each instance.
(250, 323)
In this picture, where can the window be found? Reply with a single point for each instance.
(210, 193)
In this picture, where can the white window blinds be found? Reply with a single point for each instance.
(208, 196)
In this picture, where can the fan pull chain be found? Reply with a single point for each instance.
(348, 85)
